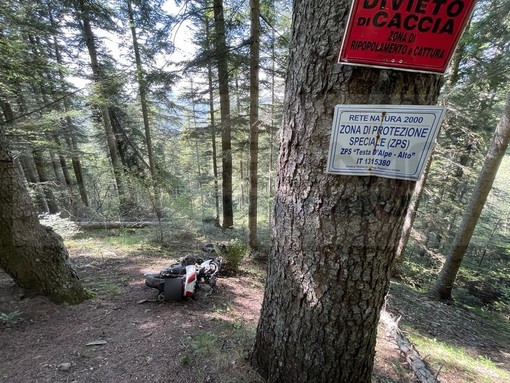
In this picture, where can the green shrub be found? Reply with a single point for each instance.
(233, 252)
(10, 318)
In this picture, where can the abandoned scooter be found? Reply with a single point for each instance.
(180, 281)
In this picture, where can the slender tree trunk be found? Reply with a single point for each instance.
(241, 183)
(38, 170)
(68, 129)
(57, 169)
(63, 165)
(254, 122)
(33, 255)
(411, 212)
(453, 75)
(41, 92)
(197, 156)
(28, 166)
(335, 237)
(271, 132)
(40, 165)
(226, 139)
(237, 93)
(103, 107)
(21, 173)
(443, 287)
(78, 172)
(213, 128)
(142, 88)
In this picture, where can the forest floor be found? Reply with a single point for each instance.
(123, 335)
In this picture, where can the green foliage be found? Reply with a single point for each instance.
(204, 343)
(10, 318)
(474, 92)
(480, 286)
(416, 274)
(62, 226)
(233, 253)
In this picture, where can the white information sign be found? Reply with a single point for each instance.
(392, 141)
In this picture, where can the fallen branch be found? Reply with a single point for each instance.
(115, 225)
(420, 368)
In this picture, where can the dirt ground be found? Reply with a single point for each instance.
(118, 336)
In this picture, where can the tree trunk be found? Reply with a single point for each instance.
(103, 107)
(44, 180)
(335, 237)
(32, 166)
(453, 72)
(76, 162)
(411, 213)
(254, 122)
(68, 122)
(194, 126)
(33, 255)
(57, 170)
(226, 140)
(63, 166)
(142, 88)
(40, 93)
(241, 183)
(28, 166)
(442, 289)
(64, 192)
(271, 131)
(213, 128)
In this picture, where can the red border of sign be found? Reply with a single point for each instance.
(381, 45)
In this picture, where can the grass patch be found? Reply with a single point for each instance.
(204, 343)
(126, 239)
(91, 246)
(457, 362)
(96, 242)
(220, 354)
(104, 287)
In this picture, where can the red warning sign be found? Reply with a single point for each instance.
(418, 35)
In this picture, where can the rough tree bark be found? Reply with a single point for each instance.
(33, 255)
(443, 287)
(335, 237)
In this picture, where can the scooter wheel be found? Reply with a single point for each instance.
(173, 289)
(161, 297)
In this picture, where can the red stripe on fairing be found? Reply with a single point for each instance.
(191, 278)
